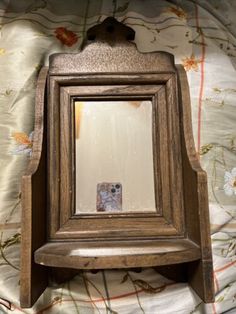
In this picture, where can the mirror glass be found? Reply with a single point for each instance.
(114, 157)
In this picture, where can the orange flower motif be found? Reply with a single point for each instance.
(65, 36)
(22, 138)
(191, 63)
(24, 143)
(179, 12)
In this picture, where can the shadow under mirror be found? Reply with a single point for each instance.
(114, 156)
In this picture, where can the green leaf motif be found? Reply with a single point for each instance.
(125, 278)
(147, 287)
(205, 149)
(220, 299)
(15, 239)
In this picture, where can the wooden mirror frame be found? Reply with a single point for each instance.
(176, 238)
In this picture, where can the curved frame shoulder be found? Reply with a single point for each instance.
(187, 122)
(38, 123)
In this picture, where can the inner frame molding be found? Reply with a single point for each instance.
(176, 238)
(61, 166)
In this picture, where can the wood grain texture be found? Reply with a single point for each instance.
(121, 254)
(195, 200)
(111, 227)
(66, 140)
(174, 154)
(166, 154)
(110, 59)
(33, 277)
(53, 159)
(161, 164)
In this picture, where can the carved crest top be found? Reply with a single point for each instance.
(111, 31)
(108, 48)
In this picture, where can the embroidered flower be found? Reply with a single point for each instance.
(179, 12)
(2, 51)
(65, 36)
(230, 182)
(191, 63)
(24, 143)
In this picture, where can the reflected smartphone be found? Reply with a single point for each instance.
(109, 197)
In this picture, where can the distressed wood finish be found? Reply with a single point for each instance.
(33, 277)
(113, 59)
(121, 225)
(195, 200)
(122, 254)
(175, 238)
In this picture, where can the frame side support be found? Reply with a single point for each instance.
(200, 273)
(33, 277)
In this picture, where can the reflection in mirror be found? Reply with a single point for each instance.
(114, 157)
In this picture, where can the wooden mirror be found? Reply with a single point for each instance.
(114, 180)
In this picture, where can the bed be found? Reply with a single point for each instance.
(202, 37)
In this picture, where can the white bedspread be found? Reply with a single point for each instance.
(201, 35)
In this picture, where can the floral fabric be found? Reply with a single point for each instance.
(202, 36)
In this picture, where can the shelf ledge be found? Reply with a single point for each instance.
(120, 254)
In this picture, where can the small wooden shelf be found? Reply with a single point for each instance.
(120, 254)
